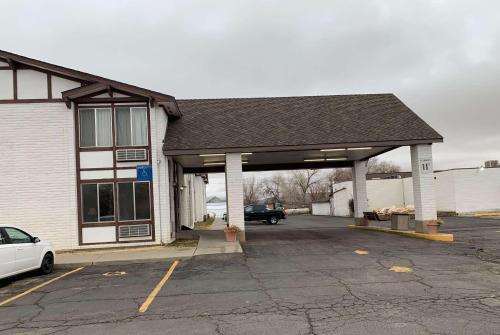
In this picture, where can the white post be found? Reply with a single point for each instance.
(423, 186)
(234, 192)
(359, 192)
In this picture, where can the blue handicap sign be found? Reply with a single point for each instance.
(144, 172)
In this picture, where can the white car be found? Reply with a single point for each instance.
(21, 252)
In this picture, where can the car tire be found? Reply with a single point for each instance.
(272, 220)
(47, 264)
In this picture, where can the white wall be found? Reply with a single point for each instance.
(445, 191)
(161, 194)
(37, 179)
(462, 191)
(477, 190)
(341, 196)
(6, 84)
(385, 193)
(321, 208)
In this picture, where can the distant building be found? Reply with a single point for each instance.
(461, 191)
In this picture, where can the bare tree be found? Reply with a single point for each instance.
(341, 175)
(250, 190)
(374, 166)
(303, 179)
(320, 191)
(273, 187)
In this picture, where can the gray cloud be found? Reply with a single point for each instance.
(440, 57)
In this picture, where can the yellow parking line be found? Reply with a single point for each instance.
(144, 307)
(5, 302)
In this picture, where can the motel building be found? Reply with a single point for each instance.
(91, 162)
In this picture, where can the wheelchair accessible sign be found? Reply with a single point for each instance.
(144, 173)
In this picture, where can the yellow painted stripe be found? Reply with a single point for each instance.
(5, 302)
(408, 233)
(144, 307)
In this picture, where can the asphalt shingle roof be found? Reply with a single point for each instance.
(294, 121)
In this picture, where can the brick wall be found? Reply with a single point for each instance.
(234, 190)
(359, 188)
(423, 183)
(37, 171)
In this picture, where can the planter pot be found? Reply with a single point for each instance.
(400, 221)
(231, 236)
(433, 228)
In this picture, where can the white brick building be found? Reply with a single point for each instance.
(90, 162)
(70, 144)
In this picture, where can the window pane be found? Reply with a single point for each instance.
(142, 201)
(123, 136)
(125, 201)
(140, 126)
(89, 200)
(106, 206)
(87, 128)
(103, 127)
(17, 236)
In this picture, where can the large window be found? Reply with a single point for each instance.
(133, 201)
(95, 127)
(131, 126)
(97, 203)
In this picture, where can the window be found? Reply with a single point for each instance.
(248, 209)
(133, 201)
(98, 203)
(17, 236)
(131, 126)
(95, 127)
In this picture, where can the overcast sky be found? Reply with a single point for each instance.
(442, 58)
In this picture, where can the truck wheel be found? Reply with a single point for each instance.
(272, 220)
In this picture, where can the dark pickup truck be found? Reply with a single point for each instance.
(262, 213)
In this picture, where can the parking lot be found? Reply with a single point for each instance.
(310, 275)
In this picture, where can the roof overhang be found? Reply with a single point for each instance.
(284, 158)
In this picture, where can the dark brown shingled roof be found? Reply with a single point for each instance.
(295, 121)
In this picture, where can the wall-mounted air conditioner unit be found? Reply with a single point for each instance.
(131, 155)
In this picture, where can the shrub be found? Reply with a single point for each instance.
(232, 229)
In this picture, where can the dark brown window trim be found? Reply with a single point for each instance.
(98, 224)
(29, 101)
(134, 223)
(152, 239)
(49, 86)
(111, 168)
(106, 100)
(96, 149)
(14, 82)
(113, 180)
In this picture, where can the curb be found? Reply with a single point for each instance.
(441, 237)
(117, 262)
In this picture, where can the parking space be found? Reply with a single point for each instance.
(309, 275)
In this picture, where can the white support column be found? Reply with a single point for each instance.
(359, 192)
(423, 186)
(234, 192)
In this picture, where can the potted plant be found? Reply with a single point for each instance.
(231, 232)
(433, 226)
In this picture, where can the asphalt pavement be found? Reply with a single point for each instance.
(307, 275)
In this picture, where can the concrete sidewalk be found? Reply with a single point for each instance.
(210, 242)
